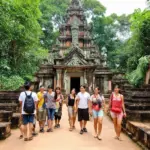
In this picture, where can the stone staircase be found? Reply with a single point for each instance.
(9, 116)
(137, 102)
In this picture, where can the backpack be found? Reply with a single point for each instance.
(29, 105)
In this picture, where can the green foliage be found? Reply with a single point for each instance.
(20, 32)
(137, 76)
(11, 83)
(135, 48)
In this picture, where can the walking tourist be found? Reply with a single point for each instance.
(28, 102)
(41, 114)
(51, 106)
(71, 109)
(82, 105)
(97, 105)
(117, 110)
(59, 102)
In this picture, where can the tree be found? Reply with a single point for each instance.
(20, 35)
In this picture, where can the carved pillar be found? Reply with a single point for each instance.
(55, 82)
(106, 85)
(59, 77)
(90, 80)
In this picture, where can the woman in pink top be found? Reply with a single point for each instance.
(117, 110)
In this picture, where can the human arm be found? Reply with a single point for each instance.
(103, 104)
(21, 97)
(90, 105)
(123, 106)
(36, 100)
(110, 103)
(77, 99)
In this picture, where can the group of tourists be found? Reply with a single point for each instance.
(46, 106)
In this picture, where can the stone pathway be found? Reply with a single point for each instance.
(62, 139)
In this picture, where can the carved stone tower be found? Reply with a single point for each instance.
(74, 59)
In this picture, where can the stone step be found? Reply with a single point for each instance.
(15, 121)
(5, 130)
(137, 106)
(138, 115)
(140, 132)
(137, 100)
(9, 96)
(5, 116)
(9, 107)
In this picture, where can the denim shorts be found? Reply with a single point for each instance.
(97, 114)
(27, 119)
(51, 113)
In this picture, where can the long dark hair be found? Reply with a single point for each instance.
(75, 92)
(98, 90)
(117, 86)
(57, 88)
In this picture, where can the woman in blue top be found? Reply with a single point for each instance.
(51, 106)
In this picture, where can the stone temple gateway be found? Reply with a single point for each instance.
(75, 60)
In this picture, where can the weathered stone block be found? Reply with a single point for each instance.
(5, 130)
(5, 116)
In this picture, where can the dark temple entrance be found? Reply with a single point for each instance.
(75, 83)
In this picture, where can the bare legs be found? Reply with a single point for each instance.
(41, 124)
(25, 131)
(98, 126)
(117, 126)
(83, 124)
(22, 130)
(30, 129)
(50, 124)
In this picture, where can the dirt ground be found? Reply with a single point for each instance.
(63, 139)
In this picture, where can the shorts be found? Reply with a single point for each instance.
(58, 115)
(83, 114)
(71, 112)
(27, 119)
(116, 115)
(97, 114)
(41, 115)
(50, 113)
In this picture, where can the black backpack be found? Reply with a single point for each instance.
(29, 105)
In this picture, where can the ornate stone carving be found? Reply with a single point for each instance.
(75, 61)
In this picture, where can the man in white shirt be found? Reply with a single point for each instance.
(27, 118)
(82, 104)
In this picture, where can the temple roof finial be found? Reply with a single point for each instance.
(76, 2)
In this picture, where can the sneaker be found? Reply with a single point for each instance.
(48, 130)
(55, 126)
(85, 130)
(58, 126)
(21, 137)
(81, 132)
(34, 134)
(42, 130)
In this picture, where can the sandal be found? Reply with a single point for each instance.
(119, 139)
(99, 138)
(26, 139)
(70, 129)
(30, 138)
(21, 137)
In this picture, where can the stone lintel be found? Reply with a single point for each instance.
(80, 67)
(103, 73)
